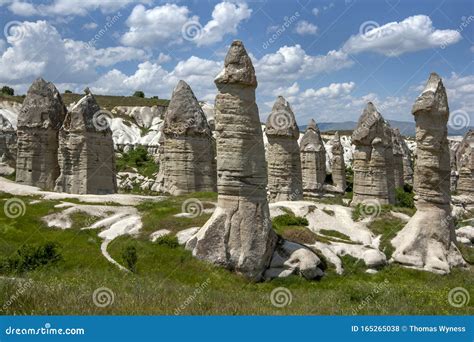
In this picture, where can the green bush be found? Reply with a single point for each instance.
(405, 197)
(168, 240)
(7, 91)
(139, 93)
(130, 258)
(139, 159)
(289, 220)
(67, 91)
(30, 257)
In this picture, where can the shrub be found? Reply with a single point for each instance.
(67, 91)
(130, 258)
(30, 257)
(289, 220)
(7, 91)
(168, 240)
(405, 197)
(139, 93)
(137, 158)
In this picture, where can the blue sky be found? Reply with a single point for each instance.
(328, 58)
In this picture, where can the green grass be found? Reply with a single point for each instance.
(387, 226)
(334, 233)
(105, 101)
(138, 159)
(167, 276)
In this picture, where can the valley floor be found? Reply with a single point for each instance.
(168, 280)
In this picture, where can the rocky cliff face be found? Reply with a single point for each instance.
(283, 154)
(428, 241)
(86, 151)
(39, 120)
(239, 235)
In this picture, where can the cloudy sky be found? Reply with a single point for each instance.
(328, 58)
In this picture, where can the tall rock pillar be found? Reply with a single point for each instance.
(239, 235)
(283, 154)
(427, 241)
(39, 121)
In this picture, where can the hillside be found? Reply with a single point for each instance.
(105, 101)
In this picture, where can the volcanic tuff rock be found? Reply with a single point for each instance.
(39, 120)
(86, 151)
(313, 159)
(373, 159)
(398, 156)
(239, 234)
(428, 241)
(465, 165)
(187, 164)
(337, 164)
(7, 142)
(283, 154)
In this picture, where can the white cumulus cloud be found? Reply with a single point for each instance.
(396, 38)
(170, 24)
(37, 49)
(303, 27)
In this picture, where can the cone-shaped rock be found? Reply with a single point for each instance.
(188, 147)
(465, 165)
(39, 121)
(283, 154)
(427, 241)
(239, 234)
(7, 142)
(373, 159)
(86, 151)
(398, 156)
(313, 160)
(338, 165)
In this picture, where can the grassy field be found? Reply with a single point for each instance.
(104, 101)
(170, 281)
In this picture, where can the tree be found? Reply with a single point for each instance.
(67, 91)
(8, 91)
(139, 93)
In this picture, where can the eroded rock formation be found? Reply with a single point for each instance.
(7, 142)
(313, 160)
(39, 121)
(86, 151)
(373, 159)
(188, 147)
(398, 155)
(427, 241)
(283, 154)
(337, 164)
(239, 235)
(465, 165)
